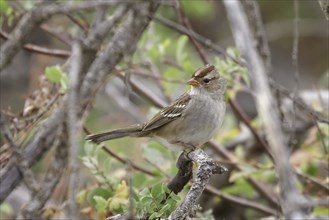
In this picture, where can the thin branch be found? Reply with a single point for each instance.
(293, 203)
(35, 17)
(59, 35)
(120, 159)
(241, 201)
(41, 50)
(266, 192)
(260, 34)
(313, 180)
(237, 110)
(74, 126)
(78, 23)
(294, 58)
(185, 21)
(202, 40)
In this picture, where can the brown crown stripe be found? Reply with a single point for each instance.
(201, 72)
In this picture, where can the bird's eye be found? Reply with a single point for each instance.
(206, 80)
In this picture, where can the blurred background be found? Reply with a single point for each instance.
(168, 55)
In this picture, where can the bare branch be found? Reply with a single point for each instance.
(202, 40)
(54, 173)
(242, 201)
(292, 202)
(206, 168)
(33, 18)
(74, 127)
(41, 50)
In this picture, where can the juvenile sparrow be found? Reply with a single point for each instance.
(188, 122)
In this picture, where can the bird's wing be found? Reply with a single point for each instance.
(169, 113)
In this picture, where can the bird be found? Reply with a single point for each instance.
(189, 121)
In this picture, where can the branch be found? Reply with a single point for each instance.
(54, 173)
(206, 168)
(202, 40)
(241, 201)
(292, 203)
(35, 17)
(74, 127)
(41, 50)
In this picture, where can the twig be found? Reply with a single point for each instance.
(260, 34)
(185, 21)
(206, 168)
(294, 58)
(241, 201)
(98, 33)
(202, 40)
(33, 18)
(293, 203)
(237, 110)
(312, 179)
(78, 23)
(59, 35)
(299, 101)
(74, 126)
(120, 159)
(41, 50)
(267, 193)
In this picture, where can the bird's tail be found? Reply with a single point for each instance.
(119, 133)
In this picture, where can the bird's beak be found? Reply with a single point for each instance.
(193, 82)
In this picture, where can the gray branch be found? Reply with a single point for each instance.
(35, 17)
(74, 127)
(292, 202)
(206, 168)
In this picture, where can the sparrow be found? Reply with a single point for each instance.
(188, 122)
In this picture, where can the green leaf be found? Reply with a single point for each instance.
(145, 192)
(6, 209)
(100, 192)
(81, 197)
(3, 6)
(321, 211)
(157, 189)
(155, 215)
(199, 9)
(101, 203)
(240, 187)
(54, 74)
(145, 201)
